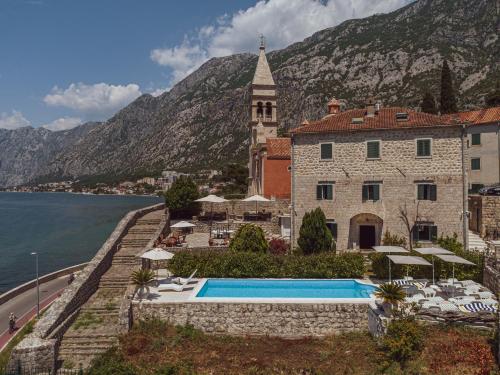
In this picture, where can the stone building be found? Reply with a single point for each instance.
(269, 155)
(483, 135)
(365, 168)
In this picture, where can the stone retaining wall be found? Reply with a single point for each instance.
(34, 347)
(276, 207)
(271, 227)
(291, 320)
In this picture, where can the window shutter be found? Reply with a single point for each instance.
(373, 149)
(419, 148)
(420, 192)
(326, 151)
(329, 192)
(319, 192)
(365, 193)
(433, 189)
(334, 231)
(376, 192)
(414, 233)
(434, 232)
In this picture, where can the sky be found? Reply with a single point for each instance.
(65, 62)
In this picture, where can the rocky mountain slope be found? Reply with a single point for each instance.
(202, 120)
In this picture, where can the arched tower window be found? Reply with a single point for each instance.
(269, 110)
(260, 110)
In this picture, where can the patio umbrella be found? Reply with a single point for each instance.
(255, 198)
(183, 225)
(388, 250)
(432, 251)
(157, 254)
(211, 199)
(408, 260)
(454, 259)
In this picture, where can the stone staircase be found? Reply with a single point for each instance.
(96, 328)
(476, 242)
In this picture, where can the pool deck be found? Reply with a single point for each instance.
(190, 292)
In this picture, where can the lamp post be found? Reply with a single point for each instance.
(37, 287)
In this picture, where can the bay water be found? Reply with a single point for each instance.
(63, 228)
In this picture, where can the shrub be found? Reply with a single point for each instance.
(261, 265)
(403, 340)
(393, 240)
(314, 235)
(391, 293)
(249, 237)
(111, 363)
(278, 246)
(180, 198)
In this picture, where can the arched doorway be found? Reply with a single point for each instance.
(365, 231)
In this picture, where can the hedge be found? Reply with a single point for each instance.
(259, 265)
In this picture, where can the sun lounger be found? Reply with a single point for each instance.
(489, 301)
(462, 300)
(448, 306)
(467, 283)
(485, 295)
(183, 281)
(415, 299)
(174, 287)
(477, 307)
(401, 282)
(429, 292)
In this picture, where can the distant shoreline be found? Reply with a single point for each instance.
(78, 193)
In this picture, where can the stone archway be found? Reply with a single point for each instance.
(365, 231)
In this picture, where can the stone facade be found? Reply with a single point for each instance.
(485, 215)
(292, 320)
(398, 170)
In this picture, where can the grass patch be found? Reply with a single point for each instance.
(86, 320)
(5, 354)
(157, 348)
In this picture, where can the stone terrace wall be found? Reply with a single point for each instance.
(291, 320)
(276, 207)
(272, 227)
(33, 349)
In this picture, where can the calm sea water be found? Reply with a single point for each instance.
(65, 229)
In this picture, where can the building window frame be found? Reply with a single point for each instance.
(425, 232)
(321, 151)
(379, 143)
(333, 227)
(371, 191)
(426, 191)
(473, 166)
(325, 190)
(478, 140)
(430, 148)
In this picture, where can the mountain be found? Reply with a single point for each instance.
(202, 120)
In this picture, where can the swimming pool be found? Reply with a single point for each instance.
(285, 289)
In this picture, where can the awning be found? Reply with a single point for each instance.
(454, 259)
(255, 198)
(408, 260)
(389, 249)
(182, 224)
(212, 199)
(157, 254)
(432, 250)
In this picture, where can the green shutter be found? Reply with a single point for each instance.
(475, 164)
(319, 192)
(423, 147)
(414, 233)
(433, 189)
(434, 232)
(334, 231)
(476, 139)
(376, 192)
(364, 194)
(326, 151)
(373, 149)
(420, 192)
(329, 192)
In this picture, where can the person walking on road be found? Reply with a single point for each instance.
(71, 278)
(12, 322)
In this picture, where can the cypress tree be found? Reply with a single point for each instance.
(428, 104)
(493, 99)
(448, 100)
(314, 235)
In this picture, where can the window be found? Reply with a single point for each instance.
(423, 148)
(373, 149)
(476, 139)
(426, 192)
(475, 164)
(260, 110)
(269, 110)
(332, 226)
(324, 190)
(326, 151)
(424, 232)
(371, 191)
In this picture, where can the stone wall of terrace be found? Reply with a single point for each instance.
(291, 320)
(39, 347)
(271, 227)
(236, 207)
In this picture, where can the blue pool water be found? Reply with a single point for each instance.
(268, 288)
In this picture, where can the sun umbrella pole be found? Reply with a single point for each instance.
(211, 218)
(453, 281)
(433, 279)
(390, 282)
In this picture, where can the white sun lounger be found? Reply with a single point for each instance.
(462, 300)
(174, 287)
(183, 281)
(414, 299)
(448, 306)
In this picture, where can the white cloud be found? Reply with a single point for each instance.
(63, 123)
(282, 22)
(158, 92)
(99, 98)
(13, 121)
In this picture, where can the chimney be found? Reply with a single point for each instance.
(370, 107)
(333, 107)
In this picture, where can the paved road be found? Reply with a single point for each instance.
(24, 305)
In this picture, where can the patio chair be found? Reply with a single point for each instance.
(429, 292)
(183, 281)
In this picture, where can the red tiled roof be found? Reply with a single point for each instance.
(384, 119)
(481, 116)
(278, 148)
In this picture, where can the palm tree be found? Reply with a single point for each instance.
(142, 279)
(391, 294)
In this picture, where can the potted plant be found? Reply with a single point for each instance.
(392, 295)
(142, 279)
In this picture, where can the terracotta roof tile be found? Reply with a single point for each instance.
(278, 148)
(481, 116)
(384, 119)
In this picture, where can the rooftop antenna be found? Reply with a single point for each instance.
(262, 42)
